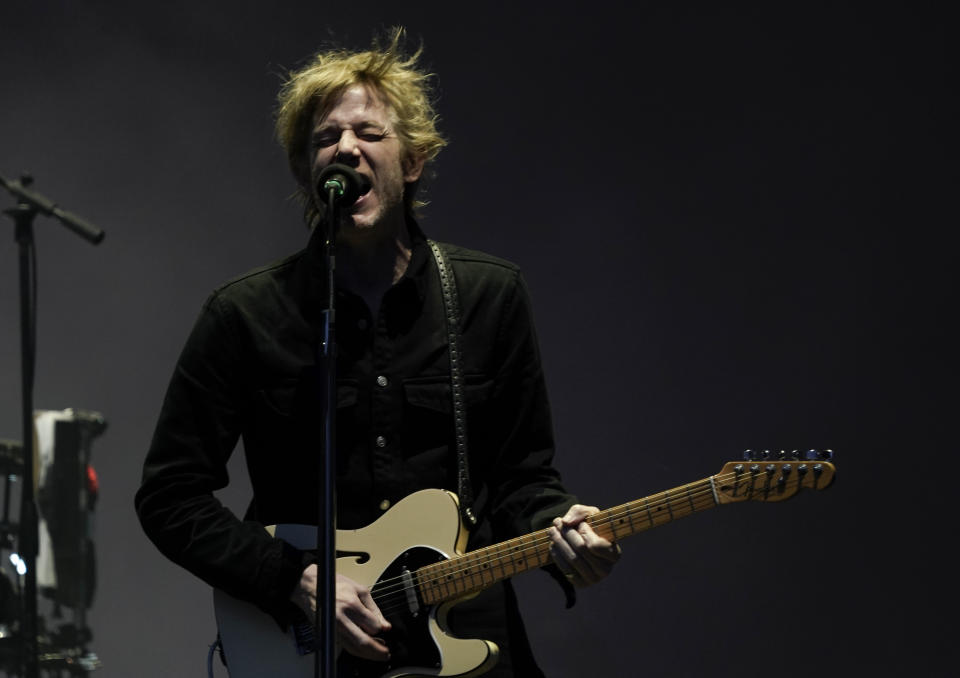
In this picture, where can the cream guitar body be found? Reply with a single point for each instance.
(412, 560)
(423, 528)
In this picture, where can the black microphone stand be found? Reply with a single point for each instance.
(29, 204)
(337, 183)
(326, 528)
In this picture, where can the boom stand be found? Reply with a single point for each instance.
(27, 542)
(28, 205)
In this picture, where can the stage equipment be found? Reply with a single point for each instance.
(66, 494)
(29, 204)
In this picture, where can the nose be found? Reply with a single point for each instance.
(347, 146)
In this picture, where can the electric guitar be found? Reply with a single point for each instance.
(412, 559)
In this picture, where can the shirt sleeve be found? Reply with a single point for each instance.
(198, 428)
(527, 492)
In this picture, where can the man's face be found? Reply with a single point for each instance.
(359, 132)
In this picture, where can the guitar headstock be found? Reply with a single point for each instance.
(773, 476)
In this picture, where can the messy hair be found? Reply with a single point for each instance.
(316, 87)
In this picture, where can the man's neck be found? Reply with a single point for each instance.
(369, 267)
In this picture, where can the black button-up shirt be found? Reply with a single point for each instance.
(249, 369)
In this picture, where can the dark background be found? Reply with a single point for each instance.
(730, 219)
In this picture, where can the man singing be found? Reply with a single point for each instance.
(250, 369)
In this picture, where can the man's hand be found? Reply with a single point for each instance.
(358, 618)
(583, 556)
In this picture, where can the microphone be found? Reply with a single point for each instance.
(347, 183)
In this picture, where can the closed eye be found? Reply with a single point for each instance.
(373, 136)
(324, 139)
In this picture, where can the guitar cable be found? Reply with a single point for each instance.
(214, 647)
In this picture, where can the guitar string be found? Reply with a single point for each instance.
(538, 539)
(388, 587)
(535, 543)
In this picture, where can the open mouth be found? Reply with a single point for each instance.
(359, 202)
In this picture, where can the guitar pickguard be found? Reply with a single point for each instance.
(412, 647)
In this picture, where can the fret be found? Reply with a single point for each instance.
(616, 525)
(693, 508)
(649, 514)
(446, 580)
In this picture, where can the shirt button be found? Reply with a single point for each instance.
(382, 381)
(385, 504)
(381, 441)
(362, 323)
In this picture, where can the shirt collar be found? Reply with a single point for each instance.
(419, 266)
(417, 270)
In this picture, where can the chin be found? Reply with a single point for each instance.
(359, 230)
(362, 226)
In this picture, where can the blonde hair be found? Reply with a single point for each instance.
(316, 87)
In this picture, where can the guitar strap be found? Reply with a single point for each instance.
(451, 307)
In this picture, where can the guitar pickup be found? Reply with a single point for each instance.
(411, 592)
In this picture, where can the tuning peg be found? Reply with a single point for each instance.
(818, 455)
(766, 454)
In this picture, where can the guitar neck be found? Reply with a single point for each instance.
(478, 569)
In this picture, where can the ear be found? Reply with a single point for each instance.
(412, 167)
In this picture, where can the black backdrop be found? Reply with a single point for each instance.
(729, 219)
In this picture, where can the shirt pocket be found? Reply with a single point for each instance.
(428, 410)
(277, 400)
(298, 399)
(288, 415)
(282, 438)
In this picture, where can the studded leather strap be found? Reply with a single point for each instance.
(451, 306)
